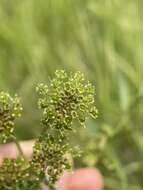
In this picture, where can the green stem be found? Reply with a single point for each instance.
(19, 148)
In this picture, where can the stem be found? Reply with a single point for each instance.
(19, 148)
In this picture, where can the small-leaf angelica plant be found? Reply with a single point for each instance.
(67, 98)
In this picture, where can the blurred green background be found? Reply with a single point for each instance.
(104, 40)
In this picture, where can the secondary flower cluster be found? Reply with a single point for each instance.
(10, 173)
(49, 159)
(15, 174)
(10, 109)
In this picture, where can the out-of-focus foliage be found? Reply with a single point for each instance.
(103, 39)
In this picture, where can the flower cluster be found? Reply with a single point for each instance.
(15, 174)
(10, 109)
(66, 99)
(10, 173)
(49, 159)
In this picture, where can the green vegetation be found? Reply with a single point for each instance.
(104, 40)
